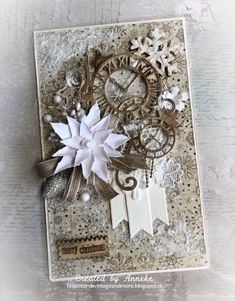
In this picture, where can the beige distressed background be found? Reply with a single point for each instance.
(211, 45)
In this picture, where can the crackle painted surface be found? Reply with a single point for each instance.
(210, 29)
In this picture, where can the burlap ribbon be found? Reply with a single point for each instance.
(126, 164)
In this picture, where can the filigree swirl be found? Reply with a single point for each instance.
(129, 180)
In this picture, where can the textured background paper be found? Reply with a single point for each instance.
(180, 245)
(22, 227)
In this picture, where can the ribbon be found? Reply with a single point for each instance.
(118, 206)
(140, 213)
(127, 163)
(47, 168)
(74, 184)
(105, 190)
(158, 203)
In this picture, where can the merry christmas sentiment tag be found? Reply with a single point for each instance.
(119, 164)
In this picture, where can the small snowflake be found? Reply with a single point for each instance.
(63, 269)
(168, 174)
(171, 262)
(189, 166)
(120, 263)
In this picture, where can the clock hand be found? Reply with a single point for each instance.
(124, 83)
(117, 84)
(131, 82)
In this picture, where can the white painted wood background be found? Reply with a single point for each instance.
(211, 44)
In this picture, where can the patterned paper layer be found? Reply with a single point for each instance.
(122, 190)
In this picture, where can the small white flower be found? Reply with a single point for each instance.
(138, 191)
(178, 98)
(168, 174)
(88, 143)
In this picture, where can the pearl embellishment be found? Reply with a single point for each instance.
(57, 99)
(47, 118)
(86, 144)
(85, 196)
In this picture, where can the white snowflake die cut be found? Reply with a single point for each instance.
(160, 51)
(168, 174)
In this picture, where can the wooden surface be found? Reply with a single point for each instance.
(211, 47)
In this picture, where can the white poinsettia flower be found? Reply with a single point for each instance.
(89, 143)
(175, 95)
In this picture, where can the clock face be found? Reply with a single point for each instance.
(125, 84)
(156, 139)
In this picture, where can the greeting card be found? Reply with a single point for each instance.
(121, 186)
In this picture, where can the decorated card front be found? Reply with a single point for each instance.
(121, 185)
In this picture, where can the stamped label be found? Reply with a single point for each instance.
(82, 248)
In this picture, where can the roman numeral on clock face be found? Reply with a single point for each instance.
(97, 88)
(101, 99)
(153, 89)
(123, 61)
(147, 71)
(100, 79)
(110, 67)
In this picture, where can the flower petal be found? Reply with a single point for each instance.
(166, 95)
(74, 142)
(93, 117)
(111, 152)
(184, 96)
(180, 106)
(101, 136)
(86, 166)
(62, 130)
(82, 154)
(99, 167)
(115, 140)
(99, 153)
(65, 163)
(65, 151)
(101, 125)
(85, 131)
(175, 91)
(74, 126)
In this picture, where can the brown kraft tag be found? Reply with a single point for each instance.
(82, 248)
